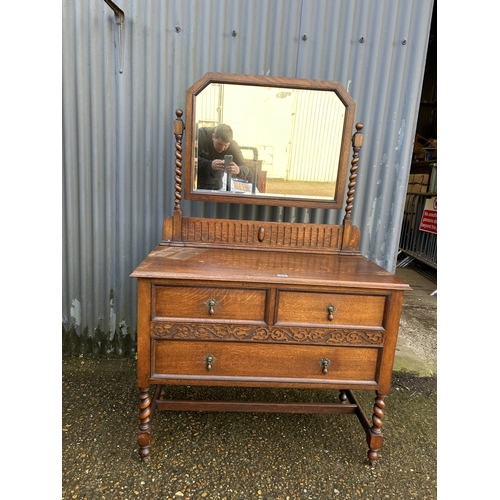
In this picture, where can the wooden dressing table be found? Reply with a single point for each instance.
(265, 304)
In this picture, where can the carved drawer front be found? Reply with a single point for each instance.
(225, 360)
(334, 309)
(172, 302)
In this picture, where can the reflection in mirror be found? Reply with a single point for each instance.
(286, 142)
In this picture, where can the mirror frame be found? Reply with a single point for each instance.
(336, 202)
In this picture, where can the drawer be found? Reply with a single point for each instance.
(312, 308)
(235, 361)
(198, 303)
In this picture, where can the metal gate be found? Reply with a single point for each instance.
(417, 244)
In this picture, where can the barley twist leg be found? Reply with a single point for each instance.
(145, 423)
(375, 442)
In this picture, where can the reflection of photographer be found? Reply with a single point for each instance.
(214, 144)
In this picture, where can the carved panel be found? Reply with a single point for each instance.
(262, 234)
(326, 336)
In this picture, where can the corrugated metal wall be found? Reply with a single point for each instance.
(118, 143)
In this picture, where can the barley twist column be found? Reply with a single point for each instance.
(178, 132)
(376, 428)
(357, 142)
(145, 423)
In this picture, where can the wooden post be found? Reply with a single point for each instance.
(177, 219)
(357, 143)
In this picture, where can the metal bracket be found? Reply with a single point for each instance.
(120, 22)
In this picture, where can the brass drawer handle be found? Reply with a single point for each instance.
(209, 360)
(211, 303)
(325, 363)
(330, 309)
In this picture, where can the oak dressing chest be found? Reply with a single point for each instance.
(245, 303)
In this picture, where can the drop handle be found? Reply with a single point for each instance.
(330, 309)
(211, 303)
(325, 363)
(209, 360)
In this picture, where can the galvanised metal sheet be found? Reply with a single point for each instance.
(123, 83)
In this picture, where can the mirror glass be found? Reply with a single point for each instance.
(290, 141)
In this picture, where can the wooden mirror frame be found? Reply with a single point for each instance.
(266, 81)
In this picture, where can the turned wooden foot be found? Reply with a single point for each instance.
(144, 434)
(375, 435)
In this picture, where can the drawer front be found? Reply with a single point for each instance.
(197, 359)
(333, 309)
(196, 303)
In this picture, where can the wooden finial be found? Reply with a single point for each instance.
(357, 138)
(178, 123)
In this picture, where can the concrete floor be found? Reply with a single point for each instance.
(255, 456)
(417, 340)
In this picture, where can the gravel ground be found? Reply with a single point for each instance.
(240, 455)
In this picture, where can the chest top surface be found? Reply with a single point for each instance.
(246, 265)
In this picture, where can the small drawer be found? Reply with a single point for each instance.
(197, 303)
(199, 360)
(329, 309)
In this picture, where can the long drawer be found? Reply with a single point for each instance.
(205, 303)
(330, 309)
(214, 360)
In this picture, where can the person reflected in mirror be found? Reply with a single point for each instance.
(213, 144)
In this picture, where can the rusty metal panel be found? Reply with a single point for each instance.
(123, 82)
